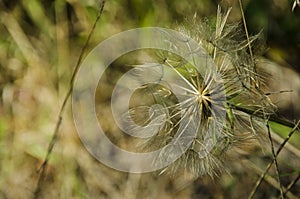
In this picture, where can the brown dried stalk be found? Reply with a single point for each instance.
(42, 169)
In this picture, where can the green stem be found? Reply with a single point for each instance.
(273, 118)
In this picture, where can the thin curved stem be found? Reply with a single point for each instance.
(54, 138)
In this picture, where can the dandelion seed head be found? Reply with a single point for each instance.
(210, 102)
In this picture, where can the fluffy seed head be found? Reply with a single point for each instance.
(216, 106)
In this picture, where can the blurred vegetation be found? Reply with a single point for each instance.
(281, 29)
(40, 42)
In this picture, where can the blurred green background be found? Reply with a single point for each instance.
(40, 42)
